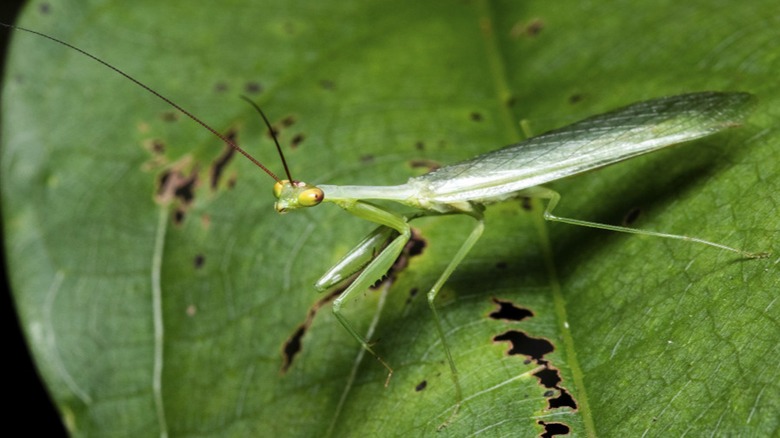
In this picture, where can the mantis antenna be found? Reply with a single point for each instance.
(224, 139)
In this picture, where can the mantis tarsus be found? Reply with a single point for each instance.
(514, 171)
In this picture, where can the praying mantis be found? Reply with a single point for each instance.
(514, 171)
(467, 187)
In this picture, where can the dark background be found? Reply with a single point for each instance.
(31, 410)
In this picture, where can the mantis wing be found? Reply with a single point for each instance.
(591, 143)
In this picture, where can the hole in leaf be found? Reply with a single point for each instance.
(509, 312)
(534, 348)
(553, 429)
(549, 377)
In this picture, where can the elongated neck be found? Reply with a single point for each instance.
(401, 193)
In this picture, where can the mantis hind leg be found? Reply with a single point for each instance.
(554, 197)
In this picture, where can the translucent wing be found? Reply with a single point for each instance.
(591, 143)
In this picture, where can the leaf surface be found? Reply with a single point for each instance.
(158, 311)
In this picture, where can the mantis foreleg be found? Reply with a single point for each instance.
(376, 269)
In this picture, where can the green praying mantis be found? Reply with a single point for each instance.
(468, 187)
(514, 171)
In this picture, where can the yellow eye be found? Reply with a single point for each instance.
(278, 189)
(311, 197)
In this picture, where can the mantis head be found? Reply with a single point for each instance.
(291, 195)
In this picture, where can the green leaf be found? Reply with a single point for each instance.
(153, 314)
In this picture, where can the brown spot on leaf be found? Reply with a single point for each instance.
(198, 261)
(631, 216)
(529, 29)
(431, 165)
(420, 386)
(178, 216)
(576, 98)
(218, 166)
(534, 27)
(288, 121)
(169, 116)
(158, 147)
(412, 293)
(186, 191)
(273, 133)
(292, 347)
(253, 87)
(296, 140)
(220, 87)
(294, 344)
(174, 187)
(414, 247)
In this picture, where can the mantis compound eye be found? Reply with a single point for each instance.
(311, 197)
(278, 188)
